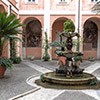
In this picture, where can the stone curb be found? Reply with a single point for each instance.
(24, 94)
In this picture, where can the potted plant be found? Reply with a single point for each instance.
(91, 58)
(30, 57)
(4, 64)
(9, 25)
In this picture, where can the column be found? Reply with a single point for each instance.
(9, 12)
(47, 22)
(47, 16)
(78, 20)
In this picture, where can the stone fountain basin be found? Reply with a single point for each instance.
(76, 79)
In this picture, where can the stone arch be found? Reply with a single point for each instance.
(32, 33)
(91, 37)
(2, 8)
(57, 26)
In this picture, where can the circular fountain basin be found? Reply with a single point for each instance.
(76, 79)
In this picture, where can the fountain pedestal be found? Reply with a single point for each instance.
(77, 79)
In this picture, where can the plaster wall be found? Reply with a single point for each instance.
(87, 5)
(13, 2)
(70, 6)
(31, 6)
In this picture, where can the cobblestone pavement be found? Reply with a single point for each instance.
(19, 83)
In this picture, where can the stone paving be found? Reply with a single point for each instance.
(57, 94)
(19, 83)
(14, 82)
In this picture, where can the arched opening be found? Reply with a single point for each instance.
(2, 9)
(90, 39)
(57, 27)
(33, 34)
(32, 38)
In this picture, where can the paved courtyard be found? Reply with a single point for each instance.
(18, 83)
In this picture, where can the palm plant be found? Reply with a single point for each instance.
(9, 26)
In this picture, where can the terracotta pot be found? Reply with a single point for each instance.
(63, 59)
(2, 71)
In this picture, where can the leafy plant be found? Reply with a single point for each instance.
(91, 58)
(69, 26)
(42, 78)
(16, 60)
(58, 44)
(46, 46)
(13, 46)
(5, 62)
(9, 25)
(30, 57)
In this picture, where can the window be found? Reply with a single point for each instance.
(31, 1)
(94, 0)
(63, 1)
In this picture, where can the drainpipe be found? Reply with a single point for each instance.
(78, 45)
(9, 9)
(9, 12)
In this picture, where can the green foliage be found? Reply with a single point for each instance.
(6, 62)
(46, 57)
(13, 40)
(69, 26)
(58, 44)
(91, 58)
(16, 60)
(78, 58)
(30, 57)
(46, 46)
(60, 47)
(9, 26)
(42, 78)
(93, 82)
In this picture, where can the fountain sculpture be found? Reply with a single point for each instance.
(69, 72)
(71, 65)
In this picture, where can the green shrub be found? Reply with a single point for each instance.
(69, 26)
(16, 60)
(42, 78)
(46, 57)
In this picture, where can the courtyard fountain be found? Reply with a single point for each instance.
(69, 71)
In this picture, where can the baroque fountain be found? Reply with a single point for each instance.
(69, 71)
